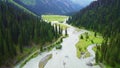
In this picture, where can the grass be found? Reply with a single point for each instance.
(84, 43)
(87, 54)
(57, 18)
(50, 18)
(57, 42)
(34, 54)
(49, 47)
(63, 26)
(36, 51)
(26, 52)
(21, 7)
(95, 48)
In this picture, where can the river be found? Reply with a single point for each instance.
(66, 57)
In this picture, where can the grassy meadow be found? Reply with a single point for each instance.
(86, 40)
(58, 18)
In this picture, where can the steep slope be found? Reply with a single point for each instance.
(83, 2)
(21, 7)
(50, 6)
(19, 30)
(103, 16)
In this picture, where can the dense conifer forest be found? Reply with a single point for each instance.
(103, 16)
(19, 29)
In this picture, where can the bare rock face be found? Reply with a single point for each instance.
(44, 61)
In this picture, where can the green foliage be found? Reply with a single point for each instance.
(103, 17)
(21, 7)
(83, 44)
(50, 18)
(66, 32)
(19, 29)
(81, 37)
(86, 36)
(59, 46)
(56, 19)
(95, 34)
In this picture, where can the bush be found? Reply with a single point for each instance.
(58, 46)
(95, 34)
(81, 37)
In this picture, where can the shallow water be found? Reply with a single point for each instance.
(66, 57)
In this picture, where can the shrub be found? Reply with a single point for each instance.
(58, 46)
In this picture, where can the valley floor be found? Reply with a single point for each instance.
(66, 57)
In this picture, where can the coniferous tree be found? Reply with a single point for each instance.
(103, 17)
(66, 32)
(81, 36)
(19, 29)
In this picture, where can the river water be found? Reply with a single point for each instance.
(66, 57)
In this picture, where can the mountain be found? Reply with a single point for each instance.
(50, 6)
(103, 16)
(83, 2)
(21, 7)
(20, 31)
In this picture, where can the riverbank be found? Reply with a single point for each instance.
(36, 52)
(85, 40)
(65, 57)
(48, 47)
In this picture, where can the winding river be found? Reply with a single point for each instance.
(66, 57)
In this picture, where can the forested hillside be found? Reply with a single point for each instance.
(19, 29)
(50, 6)
(103, 16)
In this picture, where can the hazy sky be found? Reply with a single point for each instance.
(83, 2)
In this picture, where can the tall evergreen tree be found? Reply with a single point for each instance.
(19, 29)
(102, 16)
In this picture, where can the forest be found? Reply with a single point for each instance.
(102, 16)
(19, 29)
(22, 32)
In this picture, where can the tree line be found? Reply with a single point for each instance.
(102, 16)
(21, 29)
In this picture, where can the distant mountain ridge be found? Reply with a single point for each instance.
(50, 6)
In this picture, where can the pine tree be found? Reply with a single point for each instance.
(66, 32)
(95, 34)
(20, 29)
(81, 37)
(20, 40)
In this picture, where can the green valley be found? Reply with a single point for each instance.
(22, 33)
(102, 16)
(59, 34)
(58, 18)
(87, 39)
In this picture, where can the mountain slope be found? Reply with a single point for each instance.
(103, 16)
(19, 32)
(21, 7)
(50, 6)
